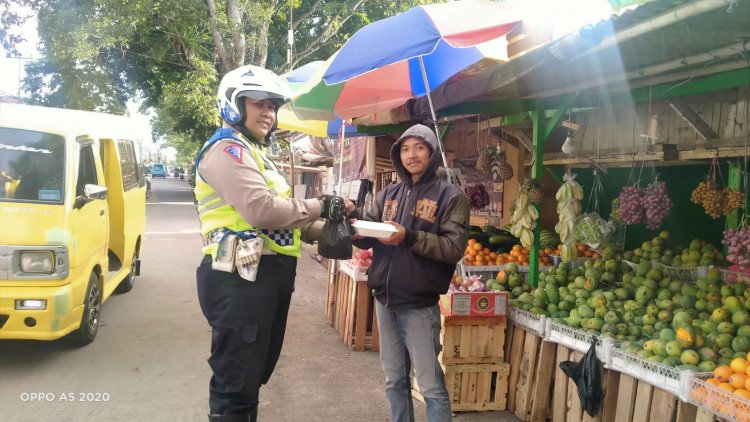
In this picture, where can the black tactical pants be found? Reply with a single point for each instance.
(248, 321)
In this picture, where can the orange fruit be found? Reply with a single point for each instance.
(726, 387)
(738, 365)
(477, 246)
(737, 380)
(472, 242)
(747, 383)
(722, 373)
(742, 393)
(713, 381)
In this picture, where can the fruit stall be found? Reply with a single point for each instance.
(611, 211)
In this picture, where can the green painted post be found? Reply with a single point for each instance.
(538, 137)
(732, 220)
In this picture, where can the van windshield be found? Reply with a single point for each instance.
(32, 166)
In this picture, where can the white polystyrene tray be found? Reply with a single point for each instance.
(373, 229)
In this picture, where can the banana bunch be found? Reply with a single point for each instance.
(524, 220)
(569, 198)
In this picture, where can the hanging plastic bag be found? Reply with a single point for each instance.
(592, 230)
(588, 379)
(335, 240)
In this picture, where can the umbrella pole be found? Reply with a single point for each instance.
(434, 119)
(341, 158)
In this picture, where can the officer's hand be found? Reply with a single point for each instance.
(332, 207)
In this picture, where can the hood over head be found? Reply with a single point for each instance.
(426, 134)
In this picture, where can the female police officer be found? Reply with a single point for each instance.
(242, 196)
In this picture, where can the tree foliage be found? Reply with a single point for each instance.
(97, 54)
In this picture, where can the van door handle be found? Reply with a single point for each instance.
(101, 212)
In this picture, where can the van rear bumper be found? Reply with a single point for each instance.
(62, 315)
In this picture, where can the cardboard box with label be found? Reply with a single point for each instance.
(473, 304)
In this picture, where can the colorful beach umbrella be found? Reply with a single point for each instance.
(320, 128)
(392, 60)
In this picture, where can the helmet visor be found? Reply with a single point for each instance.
(258, 96)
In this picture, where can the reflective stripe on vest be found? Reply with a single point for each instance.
(216, 214)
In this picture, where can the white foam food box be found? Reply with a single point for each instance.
(373, 229)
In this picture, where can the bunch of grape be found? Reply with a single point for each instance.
(478, 196)
(631, 208)
(738, 246)
(657, 204)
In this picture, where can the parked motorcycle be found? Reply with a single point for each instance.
(148, 185)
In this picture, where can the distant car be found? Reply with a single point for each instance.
(158, 170)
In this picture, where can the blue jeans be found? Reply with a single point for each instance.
(406, 337)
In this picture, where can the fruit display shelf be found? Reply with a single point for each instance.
(490, 271)
(668, 378)
(529, 321)
(716, 401)
(731, 277)
(578, 339)
(688, 274)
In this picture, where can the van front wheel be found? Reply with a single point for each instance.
(127, 283)
(86, 333)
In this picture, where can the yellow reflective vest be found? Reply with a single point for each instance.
(217, 217)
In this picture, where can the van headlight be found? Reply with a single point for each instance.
(38, 262)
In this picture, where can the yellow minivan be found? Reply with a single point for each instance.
(72, 219)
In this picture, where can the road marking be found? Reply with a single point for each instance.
(170, 203)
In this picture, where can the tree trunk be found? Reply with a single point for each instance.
(221, 50)
(238, 37)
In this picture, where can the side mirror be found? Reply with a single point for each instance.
(95, 192)
(90, 192)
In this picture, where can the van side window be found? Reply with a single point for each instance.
(128, 164)
(86, 169)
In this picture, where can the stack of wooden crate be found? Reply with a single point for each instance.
(472, 359)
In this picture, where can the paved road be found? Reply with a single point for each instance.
(148, 362)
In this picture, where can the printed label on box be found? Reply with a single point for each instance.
(461, 305)
(501, 304)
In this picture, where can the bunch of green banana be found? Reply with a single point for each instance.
(569, 198)
(524, 220)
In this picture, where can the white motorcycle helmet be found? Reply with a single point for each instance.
(254, 82)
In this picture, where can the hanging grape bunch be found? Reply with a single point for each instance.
(631, 208)
(738, 246)
(478, 196)
(656, 203)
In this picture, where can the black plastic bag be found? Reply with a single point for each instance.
(335, 240)
(588, 379)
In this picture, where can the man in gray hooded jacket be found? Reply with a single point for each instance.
(412, 268)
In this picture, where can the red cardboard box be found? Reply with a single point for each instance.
(473, 304)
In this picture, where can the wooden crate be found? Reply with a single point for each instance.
(473, 387)
(532, 363)
(350, 309)
(472, 340)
